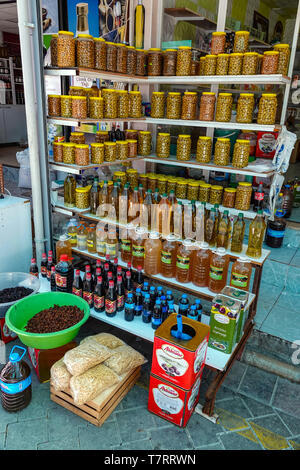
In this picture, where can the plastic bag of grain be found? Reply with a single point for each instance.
(91, 383)
(60, 376)
(106, 339)
(123, 359)
(85, 356)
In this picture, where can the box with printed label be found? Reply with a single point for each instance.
(177, 360)
(171, 402)
(266, 144)
(6, 335)
(242, 296)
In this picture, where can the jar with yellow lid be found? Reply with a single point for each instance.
(110, 101)
(123, 104)
(245, 107)
(216, 194)
(162, 184)
(77, 138)
(85, 51)
(82, 154)
(204, 148)
(131, 134)
(132, 148)
(210, 65)
(158, 105)
(201, 65)
(66, 49)
(101, 137)
(141, 62)
(218, 42)
(229, 197)
(193, 191)
(100, 54)
(224, 107)
(155, 60)
(181, 188)
(267, 108)
(132, 177)
(243, 196)
(66, 106)
(195, 63)
(204, 192)
(235, 63)
(222, 151)
(169, 62)
(144, 143)
(96, 107)
(173, 108)
(131, 60)
(241, 153)
(171, 183)
(284, 58)
(184, 145)
(143, 179)
(122, 149)
(184, 61)
(82, 197)
(163, 143)
(259, 63)
(121, 58)
(241, 41)
(97, 153)
(270, 62)
(77, 91)
(222, 64)
(189, 105)
(152, 182)
(54, 105)
(207, 106)
(250, 62)
(53, 50)
(111, 57)
(135, 104)
(110, 151)
(120, 175)
(69, 153)
(58, 152)
(79, 107)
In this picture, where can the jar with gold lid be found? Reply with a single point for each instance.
(171, 183)
(155, 60)
(184, 144)
(161, 184)
(270, 62)
(131, 60)
(173, 108)
(204, 148)
(122, 149)
(110, 101)
(53, 49)
(132, 148)
(207, 106)
(82, 197)
(135, 104)
(77, 91)
(144, 143)
(216, 194)
(222, 64)
(66, 106)
(245, 107)
(77, 138)
(69, 153)
(82, 154)
(193, 191)
(224, 107)
(111, 57)
(122, 52)
(235, 63)
(241, 41)
(284, 58)
(204, 192)
(58, 152)
(267, 108)
(123, 104)
(100, 54)
(189, 105)
(96, 107)
(181, 188)
(229, 197)
(110, 151)
(210, 65)
(163, 143)
(79, 107)
(66, 49)
(243, 196)
(169, 62)
(141, 62)
(132, 177)
(250, 62)
(222, 151)
(101, 137)
(54, 105)
(218, 42)
(158, 105)
(85, 51)
(184, 61)
(241, 153)
(97, 153)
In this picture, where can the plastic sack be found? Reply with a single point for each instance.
(123, 359)
(24, 171)
(60, 376)
(106, 339)
(89, 385)
(85, 356)
(285, 143)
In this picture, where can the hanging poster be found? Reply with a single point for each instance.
(113, 20)
(83, 17)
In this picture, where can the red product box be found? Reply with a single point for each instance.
(178, 361)
(43, 359)
(6, 335)
(266, 144)
(171, 402)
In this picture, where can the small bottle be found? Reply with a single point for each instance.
(138, 302)
(139, 280)
(183, 305)
(99, 297)
(171, 308)
(52, 280)
(192, 312)
(34, 270)
(164, 308)
(87, 290)
(105, 274)
(49, 265)
(128, 284)
(111, 300)
(120, 294)
(109, 278)
(147, 311)
(114, 268)
(259, 197)
(199, 309)
(64, 275)
(44, 265)
(129, 308)
(160, 292)
(169, 297)
(77, 284)
(152, 297)
(145, 288)
(156, 316)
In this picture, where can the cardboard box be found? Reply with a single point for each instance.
(6, 335)
(177, 361)
(43, 359)
(266, 144)
(171, 402)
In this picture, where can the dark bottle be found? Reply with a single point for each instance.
(145, 288)
(52, 280)
(120, 272)
(99, 297)
(129, 307)
(77, 284)
(105, 275)
(109, 278)
(192, 312)
(169, 296)
(128, 284)
(164, 308)
(171, 308)
(88, 290)
(160, 292)
(138, 302)
(115, 268)
(111, 300)
(139, 278)
(147, 311)
(34, 270)
(87, 269)
(276, 230)
(15, 382)
(112, 135)
(98, 273)
(199, 309)
(156, 315)
(44, 265)
(49, 265)
(152, 297)
(108, 260)
(129, 268)
(183, 305)
(64, 275)
(120, 294)
(259, 195)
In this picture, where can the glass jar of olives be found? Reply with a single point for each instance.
(222, 64)
(245, 107)
(110, 151)
(69, 153)
(184, 144)
(144, 143)
(123, 104)
(155, 62)
(241, 153)
(216, 194)
(173, 108)
(224, 107)
(163, 143)
(97, 153)
(66, 106)
(158, 105)
(96, 107)
(204, 148)
(169, 62)
(131, 60)
(135, 104)
(267, 108)
(100, 54)
(243, 196)
(222, 151)
(184, 61)
(85, 51)
(82, 197)
(241, 40)
(207, 106)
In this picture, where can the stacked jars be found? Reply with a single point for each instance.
(121, 58)
(154, 62)
(207, 106)
(65, 49)
(267, 109)
(184, 61)
(241, 40)
(184, 145)
(123, 104)
(243, 196)
(250, 63)
(110, 101)
(135, 104)
(189, 105)
(224, 107)
(163, 142)
(158, 104)
(85, 51)
(235, 64)
(222, 64)
(245, 107)
(169, 62)
(131, 60)
(270, 62)
(204, 148)
(218, 42)
(173, 108)
(100, 54)
(222, 151)
(144, 143)
(241, 153)
(284, 58)
(210, 65)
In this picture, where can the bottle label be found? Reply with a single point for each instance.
(126, 245)
(259, 196)
(81, 242)
(120, 301)
(77, 292)
(129, 306)
(183, 263)
(98, 301)
(43, 271)
(156, 321)
(11, 389)
(88, 297)
(216, 273)
(73, 238)
(275, 233)
(166, 257)
(101, 246)
(239, 280)
(48, 275)
(138, 251)
(110, 306)
(90, 244)
(111, 249)
(60, 281)
(34, 274)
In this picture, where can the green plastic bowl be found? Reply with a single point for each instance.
(22, 311)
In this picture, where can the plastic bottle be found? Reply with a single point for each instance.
(99, 297)
(211, 228)
(120, 294)
(64, 275)
(103, 201)
(218, 270)
(88, 290)
(139, 25)
(111, 246)
(169, 256)
(138, 247)
(138, 303)
(77, 284)
(171, 308)
(178, 220)
(34, 270)
(101, 237)
(134, 207)
(223, 231)
(241, 273)
(72, 232)
(15, 382)
(152, 254)
(111, 300)
(199, 308)
(256, 236)
(52, 280)
(201, 265)
(259, 197)
(147, 311)
(126, 245)
(159, 292)
(129, 307)
(123, 204)
(44, 265)
(139, 278)
(238, 234)
(183, 261)
(169, 297)
(49, 265)
(183, 305)
(156, 315)
(64, 247)
(164, 216)
(94, 196)
(192, 313)
(91, 239)
(145, 288)
(152, 297)
(164, 307)
(173, 202)
(113, 201)
(146, 208)
(276, 230)
(287, 200)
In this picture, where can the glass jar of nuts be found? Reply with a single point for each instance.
(270, 62)
(100, 54)
(96, 107)
(111, 57)
(54, 105)
(101, 137)
(155, 62)
(189, 105)
(132, 148)
(204, 147)
(207, 106)
(284, 58)
(241, 40)
(235, 64)
(69, 153)
(131, 60)
(229, 197)
(144, 143)
(66, 106)
(123, 104)
(122, 58)
(184, 61)
(132, 134)
(58, 152)
(241, 153)
(169, 62)
(79, 107)
(184, 144)
(250, 62)
(110, 101)
(243, 196)
(216, 194)
(77, 138)
(122, 149)
(204, 192)
(158, 104)
(97, 153)
(82, 154)
(245, 107)
(173, 108)
(222, 151)
(210, 65)
(110, 151)
(135, 104)
(85, 51)
(77, 91)
(163, 143)
(267, 108)
(222, 64)
(218, 41)
(65, 49)
(224, 107)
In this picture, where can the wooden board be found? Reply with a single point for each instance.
(99, 409)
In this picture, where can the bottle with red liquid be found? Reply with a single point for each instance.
(120, 294)
(109, 278)
(34, 270)
(128, 284)
(87, 290)
(44, 265)
(52, 280)
(259, 197)
(111, 300)
(77, 284)
(64, 275)
(49, 265)
(99, 295)
(139, 279)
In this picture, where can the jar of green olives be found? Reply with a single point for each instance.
(222, 151)
(184, 61)
(184, 144)
(235, 64)
(144, 143)
(135, 104)
(161, 184)
(132, 177)
(69, 153)
(66, 106)
(82, 197)
(100, 54)
(210, 65)
(204, 192)
(111, 57)
(158, 105)
(204, 148)
(110, 151)
(123, 104)
(222, 64)
(189, 105)
(181, 188)
(110, 101)
(245, 107)
(250, 61)
(224, 107)
(241, 153)
(267, 108)
(241, 40)
(163, 143)
(122, 149)
(97, 153)
(216, 194)
(243, 196)
(96, 107)
(171, 183)
(173, 110)
(193, 191)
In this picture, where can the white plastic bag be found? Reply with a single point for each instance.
(24, 171)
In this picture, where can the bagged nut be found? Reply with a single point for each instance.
(85, 356)
(123, 359)
(60, 376)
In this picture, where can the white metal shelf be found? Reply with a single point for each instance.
(73, 122)
(78, 169)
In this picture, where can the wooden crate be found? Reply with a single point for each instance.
(100, 408)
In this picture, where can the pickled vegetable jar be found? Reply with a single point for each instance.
(207, 106)
(201, 65)
(163, 143)
(158, 105)
(204, 147)
(122, 149)
(229, 197)
(173, 110)
(131, 60)
(243, 196)
(77, 138)
(100, 54)
(54, 105)
(110, 101)
(270, 62)
(96, 107)
(171, 183)
(222, 64)
(218, 41)
(184, 61)
(97, 153)
(204, 192)
(58, 151)
(193, 191)
(210, 65)
(66, 106)
(68, 153)
(82, 197)
(224, 107)
(85, 51)
(169, 62)
(162, 184)
(123, 104)
(82, 154)
(216, 194)
(155, 60)
(189, 105)
(267, 108)
(181, 188)
(241, 153)
(135, 104)
(184, 144)
(241, 40)
(141, 62)
(235, 64)
(250, 62)
(79, 107)
(101, 137)
(222, 151)
(66, 49)
(132, 177)
(110, 151)
(284, 58)
(245, 107)
(111, 57)
(144, 143)
(121, 58)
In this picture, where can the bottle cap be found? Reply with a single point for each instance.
(128, 274)
(77, 272)
(32, 260)
(169, 292)
(106, 266)
(111, 283)
(129, 296)
(138, 290)
(146, 283)
(88, 276)
(139, 268)
(119, 278)
(99, 279)
(64, 258)
(87, 268)
(147, 296)
(44, 255)
(53, 269)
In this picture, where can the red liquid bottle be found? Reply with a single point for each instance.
(50, 264)
(34, 270)
(77, 284)
(87, 290)
(44, 265)
(99, 297)
(120, 294)
(64, 275)
(111, 300)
